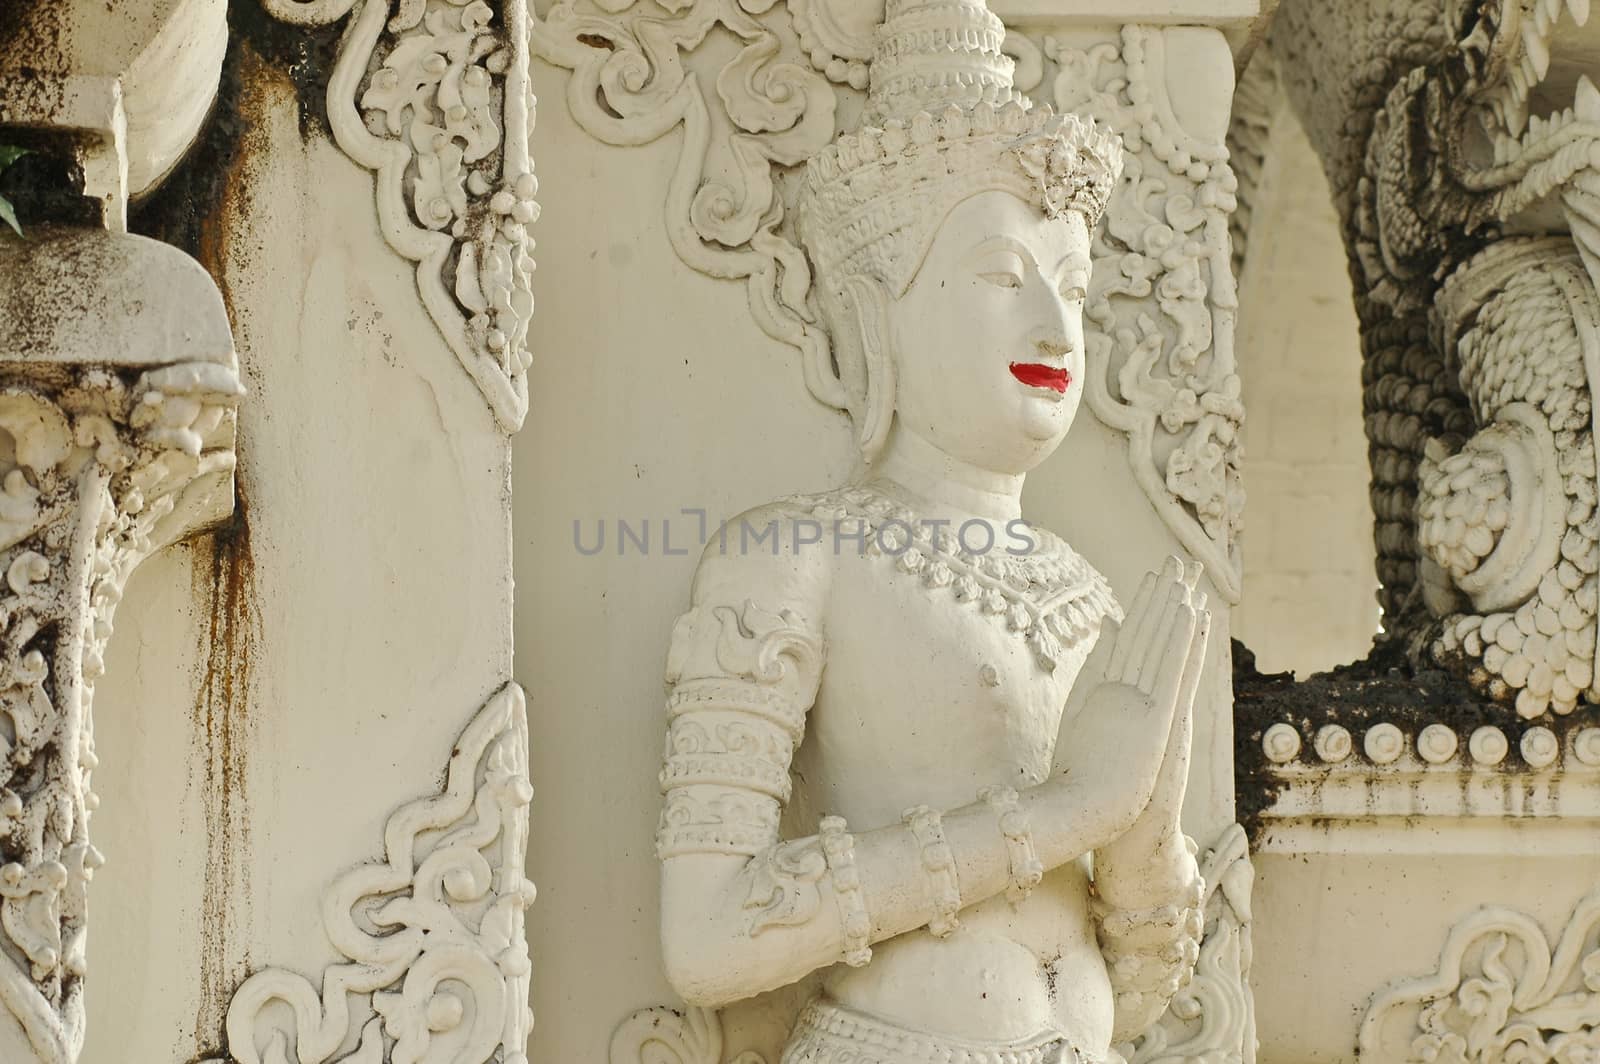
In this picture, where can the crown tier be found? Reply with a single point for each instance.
(935, 52)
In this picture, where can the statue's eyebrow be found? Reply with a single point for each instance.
(1004, 242)
(1075, 260)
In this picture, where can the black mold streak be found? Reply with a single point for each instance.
(221, 723)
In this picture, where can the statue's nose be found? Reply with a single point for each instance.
(1052, 343)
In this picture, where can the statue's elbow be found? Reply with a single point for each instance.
(701, 969)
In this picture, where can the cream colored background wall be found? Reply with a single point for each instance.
(1309, 580)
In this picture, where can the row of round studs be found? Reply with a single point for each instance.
(1436, 744)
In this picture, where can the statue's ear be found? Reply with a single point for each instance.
(867, 300)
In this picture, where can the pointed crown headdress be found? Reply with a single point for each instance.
(943, 122)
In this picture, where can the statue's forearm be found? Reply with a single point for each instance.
(735, 926)
(1145, 866)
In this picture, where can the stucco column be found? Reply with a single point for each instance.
(117, 392)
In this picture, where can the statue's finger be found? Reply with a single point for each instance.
(1129, 625)
(1172, 569)
(1171, 659)
(1156, 650)
(1195, 661)
(1144, 629)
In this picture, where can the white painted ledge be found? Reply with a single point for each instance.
(1225, 13)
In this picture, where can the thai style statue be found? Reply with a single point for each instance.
(873, 767)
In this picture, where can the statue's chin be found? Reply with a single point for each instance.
(1045, 424)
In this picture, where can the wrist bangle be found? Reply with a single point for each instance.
(1026, 870)
(927, 828)
(839, 850)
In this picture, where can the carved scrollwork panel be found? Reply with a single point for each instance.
(1502, 992)
(667, 1036)
(436, 101)
(103, 468)
(435, 962)
(1163, 299)
(631, 86)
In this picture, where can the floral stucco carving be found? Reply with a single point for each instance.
(435, 100)
(1503, 991)
(118, 396)
(105, 467)
(1164, 298)
(668, 1036)
(434, 962)
(630, 86)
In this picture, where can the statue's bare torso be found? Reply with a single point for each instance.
(932, 690)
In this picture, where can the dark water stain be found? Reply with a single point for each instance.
(184, 210)
(45, 186)
(306, 54)
(222, 723)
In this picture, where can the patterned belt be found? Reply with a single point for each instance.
(828, 1034)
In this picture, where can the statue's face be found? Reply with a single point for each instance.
(989, 338)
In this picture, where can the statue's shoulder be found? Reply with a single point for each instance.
(775, 553)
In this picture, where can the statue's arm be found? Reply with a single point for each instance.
(743, 910)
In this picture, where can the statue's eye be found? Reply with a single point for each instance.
(1074, 294)
(1002, 268)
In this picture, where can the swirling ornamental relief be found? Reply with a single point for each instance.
(1161, 310)
(435, 101)
(434, 961)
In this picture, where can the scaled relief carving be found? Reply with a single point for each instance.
(1479, 341)
(1503, 992)
(436, 962)
(890, 673)
(1161, 315)
(103, 467)
(436, 101)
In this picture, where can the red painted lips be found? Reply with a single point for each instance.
(1038, 375)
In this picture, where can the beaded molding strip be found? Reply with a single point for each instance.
(927, 826)
(839, 849)
(1026, 870)
(1339, 788)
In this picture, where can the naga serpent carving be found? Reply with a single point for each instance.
(1470, 224)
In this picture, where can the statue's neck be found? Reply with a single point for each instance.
(943, 486)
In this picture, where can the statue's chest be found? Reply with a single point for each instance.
(922, 684)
